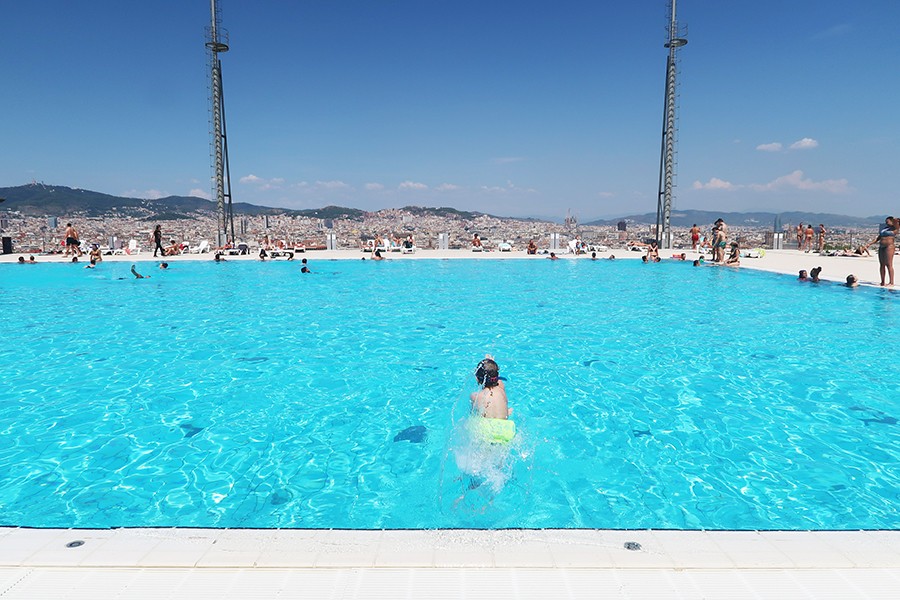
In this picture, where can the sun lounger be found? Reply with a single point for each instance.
(202, 248)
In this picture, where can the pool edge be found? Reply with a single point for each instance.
(448, 548)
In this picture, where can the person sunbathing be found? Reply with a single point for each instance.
(734, 259)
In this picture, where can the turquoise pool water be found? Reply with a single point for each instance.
(249, 395)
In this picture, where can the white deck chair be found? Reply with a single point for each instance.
(133, 247)
(202, 248)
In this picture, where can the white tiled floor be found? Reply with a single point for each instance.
(222, 564)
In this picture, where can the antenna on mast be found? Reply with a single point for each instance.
(676, 39)
(216, 43)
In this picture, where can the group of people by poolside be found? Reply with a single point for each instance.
(809, 239)
(156, 238)
(808, 236)
(886, 240)
(720, 243)
(717, 243)
(387, 243)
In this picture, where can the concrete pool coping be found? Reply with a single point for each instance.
(789, 262)
(473, 563)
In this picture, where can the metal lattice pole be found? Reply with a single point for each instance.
(667, 154)
(219, 141)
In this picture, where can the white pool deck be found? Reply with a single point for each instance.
(834, 268)
(226, 564)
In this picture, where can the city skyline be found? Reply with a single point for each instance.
(519, 111)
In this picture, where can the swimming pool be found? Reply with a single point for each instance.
(249, 395)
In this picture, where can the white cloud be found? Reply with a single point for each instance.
(261, 183)
(715, 184)
(374, 187)
(797, 181)
(447, 187)
(332, 185)
(510, 187)
(198, 193)
(413, 185)
(606, 195)
(773, 147)
(804, 144)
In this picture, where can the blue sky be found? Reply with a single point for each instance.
(513, 108)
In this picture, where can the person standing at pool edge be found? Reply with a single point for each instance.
(156, 240)
(72, 241)
(885, 240)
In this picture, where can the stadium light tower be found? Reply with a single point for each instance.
(675, 41)
(219, 150)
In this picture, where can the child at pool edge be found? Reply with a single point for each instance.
(490, 401)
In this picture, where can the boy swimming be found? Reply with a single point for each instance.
(491, 405)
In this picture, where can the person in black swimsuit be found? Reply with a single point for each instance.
(156, 240)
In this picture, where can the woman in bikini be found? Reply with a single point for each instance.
(734, 259)
(885, 239)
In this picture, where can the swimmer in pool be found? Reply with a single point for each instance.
(138, 275)
(490, 401)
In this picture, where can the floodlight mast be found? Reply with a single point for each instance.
(222, 175)
(667, 153)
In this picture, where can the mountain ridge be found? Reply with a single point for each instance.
(39, 199)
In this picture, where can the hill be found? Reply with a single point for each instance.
(38, 199)
(41, 200)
